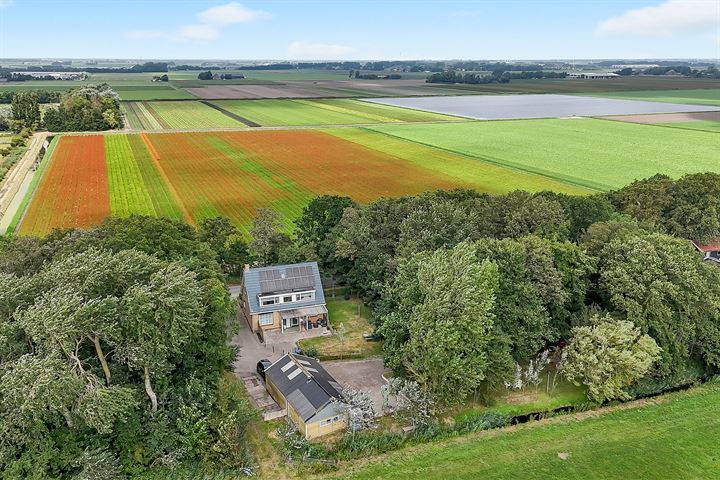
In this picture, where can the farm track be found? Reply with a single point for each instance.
(15, 177)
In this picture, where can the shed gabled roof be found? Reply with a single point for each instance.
(280, 279)
(304, 383)
(711, 247)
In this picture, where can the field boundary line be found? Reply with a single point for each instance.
(511, 166)
(156, 160)
(657, 125)
(232, 115)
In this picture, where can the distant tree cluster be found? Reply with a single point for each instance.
(88, 108)
(497, 76)
(43, 96)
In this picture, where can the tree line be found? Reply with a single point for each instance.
(87, 108)
(497, 76)
(467, 287)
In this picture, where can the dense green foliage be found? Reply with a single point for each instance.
(26, 108)
(113, 342)
(558, 260)
(88, 108)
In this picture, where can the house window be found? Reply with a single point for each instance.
(328, 421)
(266, 319)
(268, 301)
(287, 299)
(305, 296)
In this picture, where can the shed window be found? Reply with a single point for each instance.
(266, 319)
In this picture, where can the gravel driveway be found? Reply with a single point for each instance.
(360, 374)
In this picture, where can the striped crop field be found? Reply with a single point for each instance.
(232, 173)
(180, 115)
(203, 174)
(139, 117)
(285, 112)
(73, 191)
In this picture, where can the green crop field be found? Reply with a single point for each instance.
(323, 112)
(485, 176)
(592, 153)
(672, 437)
(189, 115)
(710, 96)
(139, 117)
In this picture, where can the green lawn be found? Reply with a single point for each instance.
(708, 96)
(590, 153)
(671, 437)
(345, 312)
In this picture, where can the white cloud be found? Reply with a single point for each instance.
(318, 51)
(5, 3)
(667, 18)
(209, 26)
(202, 32)
(230, 13)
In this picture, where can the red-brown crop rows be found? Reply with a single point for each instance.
(74, 188)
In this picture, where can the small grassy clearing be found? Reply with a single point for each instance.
(355, 317)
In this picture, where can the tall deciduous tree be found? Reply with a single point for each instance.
(447, 311)
(608, 355)
(659, 283)
(25, 108)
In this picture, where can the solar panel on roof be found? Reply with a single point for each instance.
(282, 279)
(287, 366)
(294, 374)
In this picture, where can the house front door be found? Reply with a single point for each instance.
(291, 322)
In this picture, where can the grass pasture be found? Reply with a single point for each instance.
(590, 153)
(323, 112)
(707, 96)
(671, 437)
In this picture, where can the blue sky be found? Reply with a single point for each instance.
(370, 29)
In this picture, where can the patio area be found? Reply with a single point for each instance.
(294, 334)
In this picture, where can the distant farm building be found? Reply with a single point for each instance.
(55, 75)
(591, 75)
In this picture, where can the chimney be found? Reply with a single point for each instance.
(246, 267)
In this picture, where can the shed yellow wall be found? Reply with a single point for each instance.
(314, 429)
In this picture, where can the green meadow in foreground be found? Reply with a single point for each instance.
(592, 153)
(670, 437)
(707, 96)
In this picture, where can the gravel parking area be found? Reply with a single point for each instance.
(360, 374)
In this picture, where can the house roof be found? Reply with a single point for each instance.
(711, 247)
(281, 279)
(304, 383)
